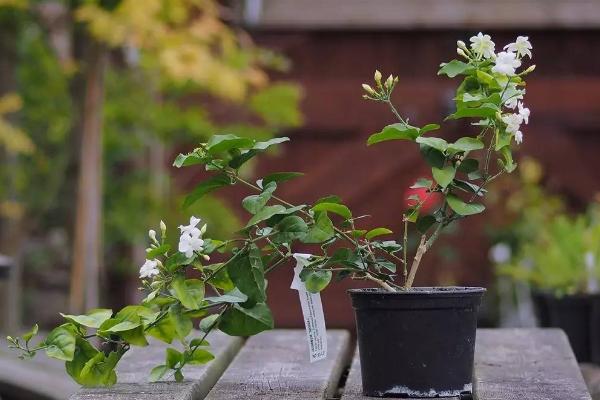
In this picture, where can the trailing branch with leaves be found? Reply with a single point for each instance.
(230, 294)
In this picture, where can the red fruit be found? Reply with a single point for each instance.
(430, 200)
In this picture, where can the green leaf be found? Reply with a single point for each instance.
(329, 199)
(469, 187)
(377, 232)
(61, 342)
(486, 110)
(280, 177)
(508, 165)
(254, 203)
(220, 279)
(466, 144)
(268, 143)
(177, 260)
(164, 330)
(358, 233)
(468, 165)
(220, 143)
(247, 273)
(178, 375)
(443, 176)
(422, 183)
(238, 321)
(503, 139)
(190, 292)
(84, 352)
(100, 370)
(173, 357)
(428, 128)
(314, 280)
(29, 335)
(486, 78)
(321, 231)
(158, 372)
(425, 222)
(207, 323)
(233, 296)
(200, 356)
(213, 183)
(335, 208)
(462, 208)
(433, 157)
(121, 326)
(454, 68)
(158, 251)
(434, 142)
(398, 131)
(290, 228)
(183, 323)
(93, 319)
(185, 160)
(265, 213)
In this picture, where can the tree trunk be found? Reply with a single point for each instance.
(87, 253)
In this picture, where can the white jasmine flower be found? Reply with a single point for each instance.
(191, 228)
(152, 235)
(521, 46)
(506, 63)
(482, 45)
(518, 137)
(524, 112)
(188, 244)
(512, 102)
(149, 269)
(500, 253)
(163, 227)
(513, 122)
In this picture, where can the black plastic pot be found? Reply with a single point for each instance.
(578, 315)
(416, 343)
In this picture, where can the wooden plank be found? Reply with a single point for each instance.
(275, 365)
(135, 368)
(513, 364)
(532, 364)
(51, 380)
(423, 14)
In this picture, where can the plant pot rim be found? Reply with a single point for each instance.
(422, 291)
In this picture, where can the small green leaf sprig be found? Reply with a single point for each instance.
(230, 294)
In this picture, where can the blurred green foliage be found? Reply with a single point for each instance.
(148, 115)
(550, 248)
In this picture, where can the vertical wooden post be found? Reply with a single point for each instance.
(86, 272)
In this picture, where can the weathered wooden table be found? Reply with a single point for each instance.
(511, 364)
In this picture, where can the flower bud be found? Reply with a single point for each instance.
(528, 70)
(461, 52)
(389, 82)
(206, 258)
(152, 235)
(369, 89)
(461, 45)
(377, 78)
(163, 227)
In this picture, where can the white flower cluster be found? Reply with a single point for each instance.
(505, 63)
(191, 237)
(190, 241)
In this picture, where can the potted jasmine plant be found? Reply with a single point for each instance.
(407, 336)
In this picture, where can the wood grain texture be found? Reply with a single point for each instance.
(513, 364)
(275, 365)
(532, 364)
(135, 368)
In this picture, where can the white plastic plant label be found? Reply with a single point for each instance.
(312, 310)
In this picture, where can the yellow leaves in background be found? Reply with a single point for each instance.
(14, 3)
(13, 139)
(185, 39)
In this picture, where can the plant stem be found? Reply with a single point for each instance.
(416, 261)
